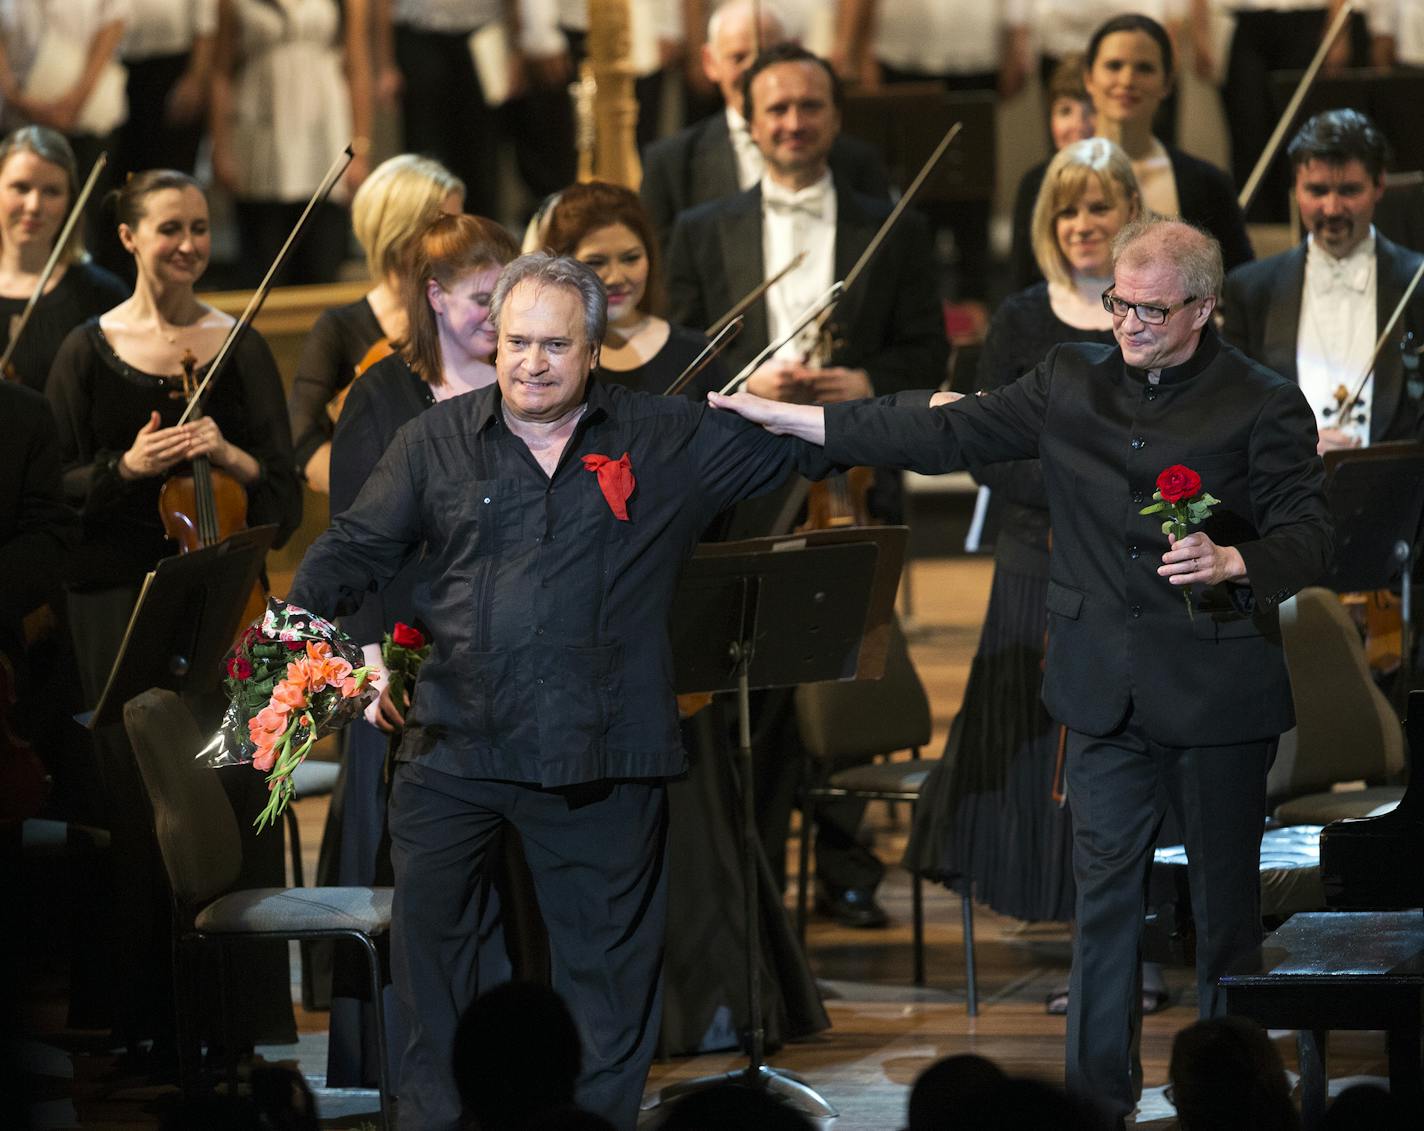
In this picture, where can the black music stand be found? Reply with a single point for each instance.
(1376, 498)
(778, 612)
(185, 620)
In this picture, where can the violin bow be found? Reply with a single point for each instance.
(1332, 33)
(724, 338)
(259, 296)
(812, 312)
(755, 293)
(906, 199)
(75, 214)
(1380, 341)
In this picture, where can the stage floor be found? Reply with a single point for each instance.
(884, 1031)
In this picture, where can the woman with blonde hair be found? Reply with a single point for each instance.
(394, 204)
(38, 184)
(445, 349)
(989, 824)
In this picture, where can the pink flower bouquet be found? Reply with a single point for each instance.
(291, 678)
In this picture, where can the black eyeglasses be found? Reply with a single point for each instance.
(1151, 315)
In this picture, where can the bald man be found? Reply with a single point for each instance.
(716, 157)
(1162, 707)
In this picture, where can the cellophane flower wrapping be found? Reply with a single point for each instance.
(291, 678)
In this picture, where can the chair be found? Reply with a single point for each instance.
(853, 722)
(1346, 729)
(199, 841)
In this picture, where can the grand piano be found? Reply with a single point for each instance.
(1377, 863)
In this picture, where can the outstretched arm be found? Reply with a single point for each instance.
(804, 421)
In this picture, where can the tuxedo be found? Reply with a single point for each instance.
(888, 324)
(1261, 307)
(698, 164)
(1162, 708)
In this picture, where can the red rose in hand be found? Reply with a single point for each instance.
(406, 636)
(239, 668)
(1179, 483)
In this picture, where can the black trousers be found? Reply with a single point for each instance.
(1119, 790)
(598, 857)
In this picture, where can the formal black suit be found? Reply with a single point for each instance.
(888, 324)
(1162, 707)
(1261, 307)
(698, 164)
(1205, 196)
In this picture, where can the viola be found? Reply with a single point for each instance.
(380, 349)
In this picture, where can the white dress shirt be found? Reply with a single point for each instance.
(793, 222)
(1336, 333)
(945, 37)
(166, 27)
(750, 165)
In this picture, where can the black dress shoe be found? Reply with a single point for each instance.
(851, 907)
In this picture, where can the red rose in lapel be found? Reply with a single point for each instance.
(615, 480)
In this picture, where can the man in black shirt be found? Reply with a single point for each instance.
(554, 514)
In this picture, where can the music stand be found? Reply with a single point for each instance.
(778, 612)
(1376, 498)
(185, 619)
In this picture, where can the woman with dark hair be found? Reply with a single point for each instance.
(38, 183)
(1128, 71)
(607, 227)
(117, 393)
(446, 350)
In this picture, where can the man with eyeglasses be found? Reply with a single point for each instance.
(1162, 707)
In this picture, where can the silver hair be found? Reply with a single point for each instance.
(545, 269)
(768, 11)
(1194, 253)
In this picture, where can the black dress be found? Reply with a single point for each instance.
(84, 291)
(333, 348)
(988, 818)
(99, 403)
(662, 369)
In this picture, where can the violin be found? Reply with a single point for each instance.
(203, 504)
(380, 349)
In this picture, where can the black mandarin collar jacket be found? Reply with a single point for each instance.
(1120, 638)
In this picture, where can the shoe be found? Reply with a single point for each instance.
(851, 907)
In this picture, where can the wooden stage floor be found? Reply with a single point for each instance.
(884, 1032)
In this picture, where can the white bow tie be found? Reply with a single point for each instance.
(810, 200)
(1351, 274)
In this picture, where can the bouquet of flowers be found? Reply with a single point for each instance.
(290, 679)
(1180, 497)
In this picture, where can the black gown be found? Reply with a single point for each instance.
(987, 818)
(84, 291)
(99, 403)
(703, 965)
(337, 343)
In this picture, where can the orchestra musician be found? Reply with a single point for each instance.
(988, 823)
(1129, 70)
(717, 157)
(606, 227)
(1314, 313)
(1162, 708)
(890, 336)
(396, 202)
(117, 393)
(555, 515)
(38, 183)
(444, 350)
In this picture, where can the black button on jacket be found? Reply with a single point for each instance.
(551, 661)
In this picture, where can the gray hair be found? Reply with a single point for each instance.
(545, 269)
(1194, 253)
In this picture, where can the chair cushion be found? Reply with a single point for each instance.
(275, 910)
(1290, 869)
(315, 779)
(1322, 808)
(885, 777)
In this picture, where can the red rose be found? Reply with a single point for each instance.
(405, 636)
(295, 645)
(1178, 484)
(239, 668)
